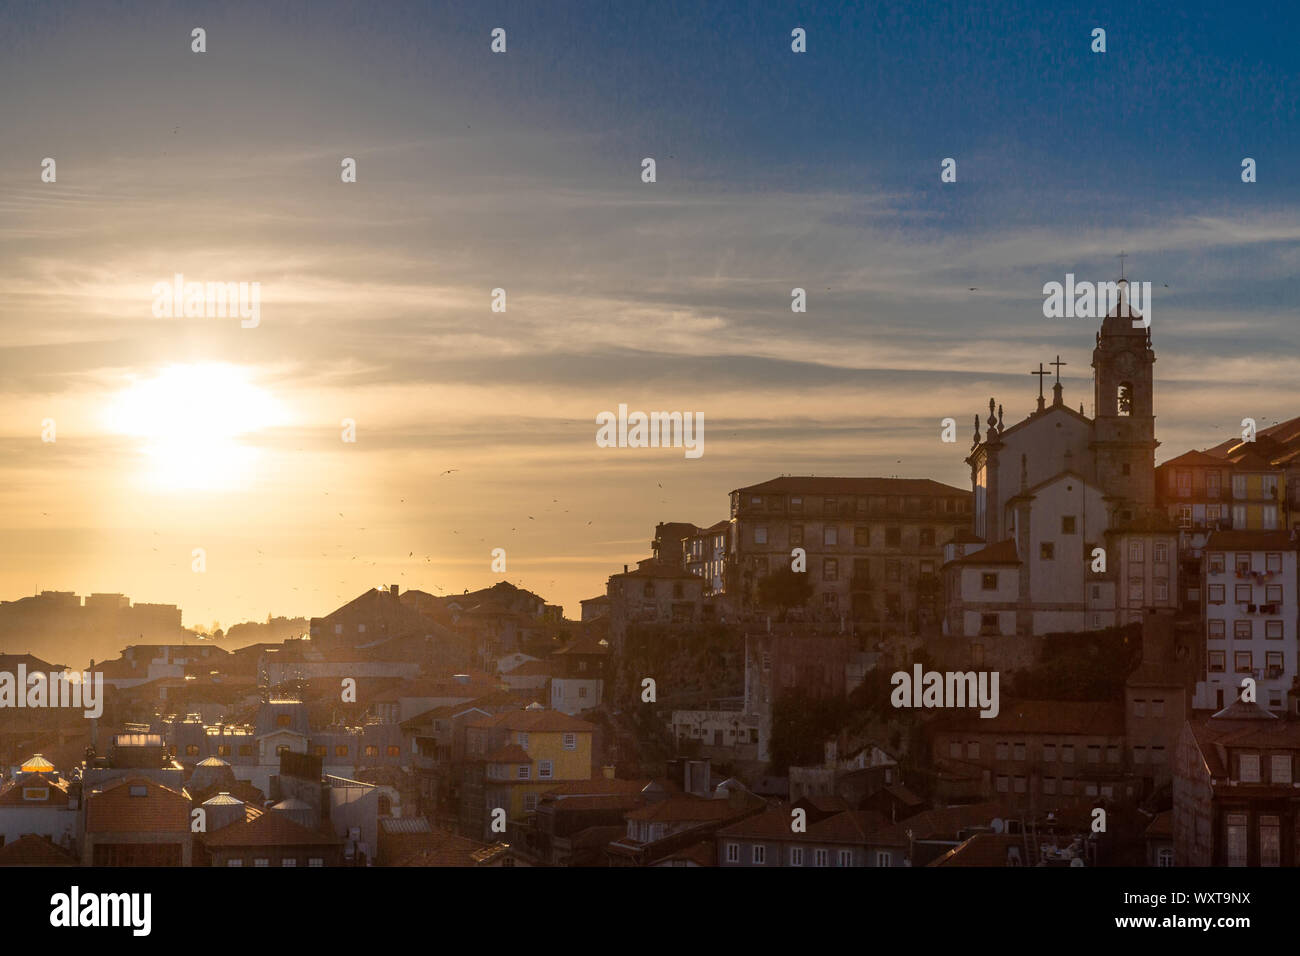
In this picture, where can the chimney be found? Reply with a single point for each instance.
(607, 772)
(625, 569)
(393, 589)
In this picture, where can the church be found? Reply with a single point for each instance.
(1066, 533)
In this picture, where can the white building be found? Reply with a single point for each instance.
(1250, 612)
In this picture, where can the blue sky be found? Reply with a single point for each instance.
(521, 171)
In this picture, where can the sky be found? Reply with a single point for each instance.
(522, 170)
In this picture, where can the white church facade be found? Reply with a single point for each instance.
(1067, 537)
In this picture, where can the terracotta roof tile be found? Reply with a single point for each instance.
(121, 808)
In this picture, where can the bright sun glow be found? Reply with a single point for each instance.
(193, 421)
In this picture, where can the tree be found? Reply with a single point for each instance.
(784, 589)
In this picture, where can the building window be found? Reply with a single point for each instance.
(1273, 562)
(1049, 753)
(1124, 399)
(972, 750)
(1067, 753)
(892, 570)
(1216, 594)
(315, 861)
(1217, 662)
(954, 749)
(1241, 593)
(281, 749)
(989, 581)
(522, 741)
(283, 720)
(191, 750)
(1139, 707)
(341, 750)
(796, 503)
(289, 861)
(796, 534)
(1160, 553)
(530, 802)
(1067, 524)
(1236, 839)
(1280, 768)
(234, 861)
(819, 857)
(1094, 753)
(1241, 630)
(1273, 630)
(319, 750)
(1161, 591)
(394, 750)
(760, 536)
(1135, 590)
(522, 771)
(1136, 552)
(1047, 550)
(1270, 841)
(760, 854)
(1273, 594)
(261, 861)
(1002, 751)
(1049, 785)
(846, 857)
(733, 852)
(1242, 662)
(223, 750)
(1157, 708)
(1018, 752)
(1112, 754)
(796, 856)
(372, 750)
(927, 537)
(862, 537)
(570, 741)
(830, 570)
(1003, 783)
(544, 769)
(883, 858)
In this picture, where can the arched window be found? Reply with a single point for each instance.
(1124, 399)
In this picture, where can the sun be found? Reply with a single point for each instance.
(194, 423)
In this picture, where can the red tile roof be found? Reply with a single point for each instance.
(270, 829)
(116, 810)
(534, 721)
(1059, 717)
(12, 794)
(811, 485)
(33, 850)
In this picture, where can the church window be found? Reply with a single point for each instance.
(1067, 524)
(989, 581)
(1047, 550)
(1124, 399)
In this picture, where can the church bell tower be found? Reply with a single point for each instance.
(1124, 430)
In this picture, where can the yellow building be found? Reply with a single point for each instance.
(512, 758)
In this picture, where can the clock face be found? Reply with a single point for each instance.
(1126, 363)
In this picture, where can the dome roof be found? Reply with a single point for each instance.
(1241, 710)
(223, 800)
(37, 764)
(212, 762)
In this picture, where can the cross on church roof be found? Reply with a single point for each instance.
(1040, 373)
(1058, 363)
(1121, 257)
